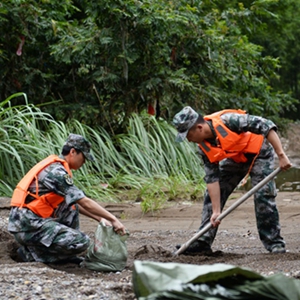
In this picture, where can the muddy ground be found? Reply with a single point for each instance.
(153, 237)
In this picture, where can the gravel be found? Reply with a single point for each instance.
(35, 281)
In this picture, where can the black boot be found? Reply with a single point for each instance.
(197, 247)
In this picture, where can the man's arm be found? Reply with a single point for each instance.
(88, 214)
(92, 209)
(212, 176)
(284, 161)
(215, 197)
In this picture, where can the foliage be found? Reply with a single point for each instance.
(21, 142)
(98, 62)
(29, 68)
(146, 162)
(278, 36)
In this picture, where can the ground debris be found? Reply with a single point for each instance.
(148, 249)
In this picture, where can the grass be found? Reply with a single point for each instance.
(144, 163)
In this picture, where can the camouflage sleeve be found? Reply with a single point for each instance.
(56, 179)
(244, 122)
(212, 172)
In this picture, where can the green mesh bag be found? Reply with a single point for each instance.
(108, 251)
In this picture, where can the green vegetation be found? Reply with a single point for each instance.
(98, 61)
(143, 164)
(94, 67)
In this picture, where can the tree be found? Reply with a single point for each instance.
(279, 34)
(109, 59)
(25, 60)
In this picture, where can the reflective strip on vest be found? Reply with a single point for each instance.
(221, 130)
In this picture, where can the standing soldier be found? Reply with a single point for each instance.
(233, 145)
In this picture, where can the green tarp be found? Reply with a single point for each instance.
(153, 280)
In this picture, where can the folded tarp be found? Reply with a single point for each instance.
(153, 280)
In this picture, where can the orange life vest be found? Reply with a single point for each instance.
(44, 205)
(231, 144)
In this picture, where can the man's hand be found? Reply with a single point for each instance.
(91, 208)
(284, 162)
(119, 228)
(106, 222)
(117, 225)
(214, 221)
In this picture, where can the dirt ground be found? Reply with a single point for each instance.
(153, 237)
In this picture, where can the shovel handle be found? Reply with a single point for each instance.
(228, 210)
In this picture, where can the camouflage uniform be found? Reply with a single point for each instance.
(229, 174)
(58, 237)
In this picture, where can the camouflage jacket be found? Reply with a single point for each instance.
(53, 178)
(238, 123)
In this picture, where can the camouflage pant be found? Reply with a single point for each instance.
(267, 217)
(67, 243)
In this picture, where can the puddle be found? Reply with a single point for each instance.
(285, 181)
(288, 180)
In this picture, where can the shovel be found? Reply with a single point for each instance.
(228, 211)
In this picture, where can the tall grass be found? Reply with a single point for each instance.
(22, 143)
(142, 164)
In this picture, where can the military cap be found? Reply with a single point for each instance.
(184, 121)
(80, 143)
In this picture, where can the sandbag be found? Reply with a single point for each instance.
(157, 281)
(108, 251)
